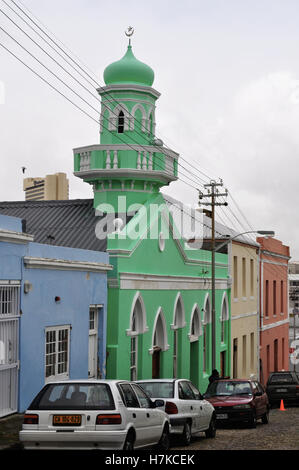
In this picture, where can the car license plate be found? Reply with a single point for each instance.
(279, 390)
(66, 420)
(222, 416)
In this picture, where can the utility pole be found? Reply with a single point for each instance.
(213, 193)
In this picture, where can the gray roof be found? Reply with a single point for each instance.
(68, 223)
(72, 223)
(221, 230)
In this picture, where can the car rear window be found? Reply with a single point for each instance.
(74, 396)
(281, 378)
(228, 388)
(158, 389)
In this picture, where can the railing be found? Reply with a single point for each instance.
(146, 160)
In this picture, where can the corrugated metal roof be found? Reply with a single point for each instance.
(68, 223)
(221, 230)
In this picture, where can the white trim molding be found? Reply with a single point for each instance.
(159, 282)
(65, 265)
(15, 237)
(275, 324)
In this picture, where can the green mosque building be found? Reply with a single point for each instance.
(159, 321)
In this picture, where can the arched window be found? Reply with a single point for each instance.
(195, 325)
(121, 122)
(223, 319)
(159, 343)
(178, 322)
(137, 327)
(206, 333)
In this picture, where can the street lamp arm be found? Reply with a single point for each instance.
(268, 233)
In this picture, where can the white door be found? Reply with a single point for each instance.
(152, 429)
(192, 405)
(93, 343)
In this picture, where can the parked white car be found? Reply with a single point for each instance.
(90, 414)
(188, 411)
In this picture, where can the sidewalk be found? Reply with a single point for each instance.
(9, 431)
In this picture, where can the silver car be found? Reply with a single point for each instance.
(90, 414)
(189, 413)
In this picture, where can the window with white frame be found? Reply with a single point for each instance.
(57, 352)
(9, 300)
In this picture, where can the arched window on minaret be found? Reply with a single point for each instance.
(121, 122)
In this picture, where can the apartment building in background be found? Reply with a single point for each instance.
(274, 314)
(244, 308)
(50, 188)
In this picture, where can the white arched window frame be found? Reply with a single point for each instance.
(207, 316)
(195, 324)
(137, 316)
(178, 322)
(178, 313)
(159, 337)
(224, 317)
(143, 124)
(151, 120)
(114, 115)
(137, 327)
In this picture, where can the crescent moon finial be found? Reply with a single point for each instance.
(129, 32)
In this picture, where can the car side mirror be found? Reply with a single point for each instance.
(258, 394)
(158, 403)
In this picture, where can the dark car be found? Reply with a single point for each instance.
(237, 400)
(283, 385)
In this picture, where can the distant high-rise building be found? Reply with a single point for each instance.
(50, 188)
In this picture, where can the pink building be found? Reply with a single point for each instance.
(274, 317)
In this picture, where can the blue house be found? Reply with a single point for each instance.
(53, 304)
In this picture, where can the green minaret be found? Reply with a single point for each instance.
(129, 161)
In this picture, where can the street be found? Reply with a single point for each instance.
(282, 433)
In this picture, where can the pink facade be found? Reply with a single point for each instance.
(274, 319)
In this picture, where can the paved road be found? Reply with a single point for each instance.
(282, 433)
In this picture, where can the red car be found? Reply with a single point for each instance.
(237, 400)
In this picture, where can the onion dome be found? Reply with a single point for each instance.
(129, 70)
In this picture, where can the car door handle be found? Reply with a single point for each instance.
(201, 407)
(147, 415)
(191, 407)
(134, 415)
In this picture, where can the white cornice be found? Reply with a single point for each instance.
(163, 176)
(129, 87)
(15, 237)
(160, 282)
(65, 265)
(275, 324)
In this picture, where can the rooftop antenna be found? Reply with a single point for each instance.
(129, 32)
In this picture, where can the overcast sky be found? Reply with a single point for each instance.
(228, 74)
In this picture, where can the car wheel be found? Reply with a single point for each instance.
(252, 422)
(265, 417)
(164, 442)
(211, 432)
(186, 436)
(129, 442)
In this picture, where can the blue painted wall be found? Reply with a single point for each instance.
(77, 291)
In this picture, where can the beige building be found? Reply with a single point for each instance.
(244, 309)
(50, 188)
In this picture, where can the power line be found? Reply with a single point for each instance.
(57, 45)
(182, 158)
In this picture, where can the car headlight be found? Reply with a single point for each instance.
(239, 407)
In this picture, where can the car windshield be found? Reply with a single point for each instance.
(281, 378)
(228, 388)
(74, 396)
(158, 389)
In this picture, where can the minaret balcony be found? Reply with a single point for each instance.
(96, 162)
